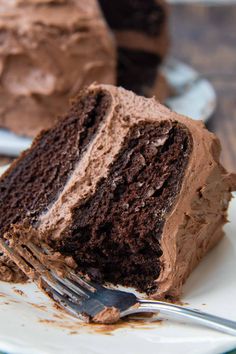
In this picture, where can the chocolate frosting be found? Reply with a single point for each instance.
(49, 49)
(107, 316)
(194, 224)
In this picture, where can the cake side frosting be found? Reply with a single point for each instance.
(195, 224)
(200, 208)
(49, 50)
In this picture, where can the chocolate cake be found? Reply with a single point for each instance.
(132, 191)
(49, 50)
(52, 48)
(141, 31)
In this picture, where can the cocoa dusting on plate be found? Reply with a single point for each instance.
(13, 301)
(19, 292)
(39, 306)
(143, 322)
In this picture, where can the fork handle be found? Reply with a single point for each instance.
(182, 313)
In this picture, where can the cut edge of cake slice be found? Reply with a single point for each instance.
(133, 192)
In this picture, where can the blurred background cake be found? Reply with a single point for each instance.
(141, 32)
(48, 51)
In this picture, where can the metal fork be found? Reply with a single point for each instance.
(92, 302)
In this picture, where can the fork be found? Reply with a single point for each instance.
(93, 302)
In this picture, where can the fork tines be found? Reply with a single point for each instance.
(70, 290)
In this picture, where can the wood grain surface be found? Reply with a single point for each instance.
(205, 37)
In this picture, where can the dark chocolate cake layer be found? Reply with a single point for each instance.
(32, 185)
(142, 36)
(132, 191)
(110, 237)
(142, 16)
(137, 69)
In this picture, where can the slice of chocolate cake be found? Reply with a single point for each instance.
(132, 191)
(49, 50)
(141, 31)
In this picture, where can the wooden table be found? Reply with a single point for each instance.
(205, 37)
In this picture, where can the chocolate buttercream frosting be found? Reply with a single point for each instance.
(49, 49)
(118, 160)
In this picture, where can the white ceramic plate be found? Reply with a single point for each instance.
(29, 324)
(196, 98)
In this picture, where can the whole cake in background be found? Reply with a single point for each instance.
(133, 192)
(141, 32)
(49, 49)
